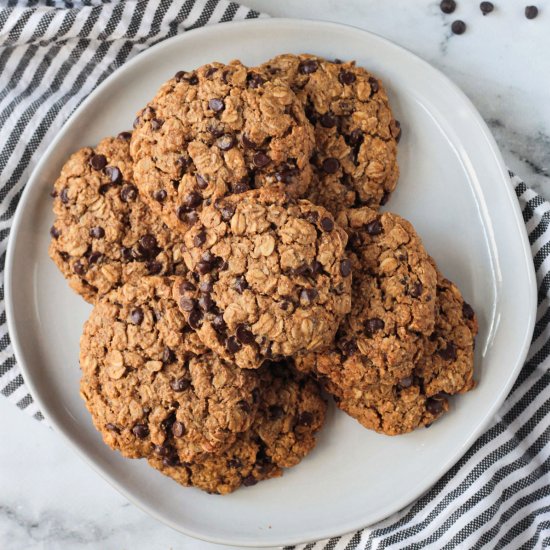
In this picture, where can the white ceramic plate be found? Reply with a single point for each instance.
(453, 187)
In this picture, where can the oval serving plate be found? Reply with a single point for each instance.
(454, 187)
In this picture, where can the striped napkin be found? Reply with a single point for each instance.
(53, 53)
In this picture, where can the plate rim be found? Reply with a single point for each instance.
(69, 438)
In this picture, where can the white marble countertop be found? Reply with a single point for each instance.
(49, 499)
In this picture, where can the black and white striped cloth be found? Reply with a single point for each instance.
(54, 53)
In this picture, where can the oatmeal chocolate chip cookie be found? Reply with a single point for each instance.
(394, 293)
(447, 365)
(356, 136)
(292, 410)
(148, 381)
(443, 367)
(103, 233)
(216, 131)
(268, 277)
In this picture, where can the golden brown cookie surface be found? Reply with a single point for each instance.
(268, 277)
(356, 135)
(217, 131)
(103, 233)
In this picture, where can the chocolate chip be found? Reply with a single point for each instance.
(187, 286)
(275, 412)
(199, 239)
(55, 233)
(261, 159)
(531, 12)
(244, 335)
(226, 142)
(447, 6)
(312, 216)
(248, 143)
(193, 79)
(94, 257)
(179, 75)
(182, 213)
(328, 120)
(345, 268)
(168, 356)
(159, 195)
(192, 200)
(153, 268)
(97, 232)
(156, 124)
(327, 224)
(180, 384)
(201, 182)
(126, 136)
(227, 212)
(449, 353)
(468, 311)
(286, 175)
(171, 460)
(216, 104)
(137, 316)
(349, 347)
(254, 80)
(234, 463)
(240, 284)
(140, 430)
(250, 480)
(240, 187)
(385, 198)
(126, 254)
(112, 428)
(128, 193)
(114, 173)
(416, 289)
(98, 162)
(435, 404)
(486, 7)
(64, 195)
(346, 77)
(396, 130)
(374, 85)
(374, 227)
(458, 27)
(204, 267)
(331, 165)
(187, 304)
(53, 193)
(206, 286)
(308, 66)
(304, 419)
(373, 325)
(316, 268)
(219, 324)
(148, 242)
(232, 345)
(406, 382)
(79, 268)
(210, 71)
(206, 303)
(307, 295)
(137, 122)
(195, 319)
(178, 429)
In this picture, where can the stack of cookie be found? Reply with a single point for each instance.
(240, 271)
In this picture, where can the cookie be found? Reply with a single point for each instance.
(268, 277)
(103, 234)
(394, 293)
(148, 381)
(217, 131)
(355, 162)
(292, 410)
(447, 365)
(443, 367)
